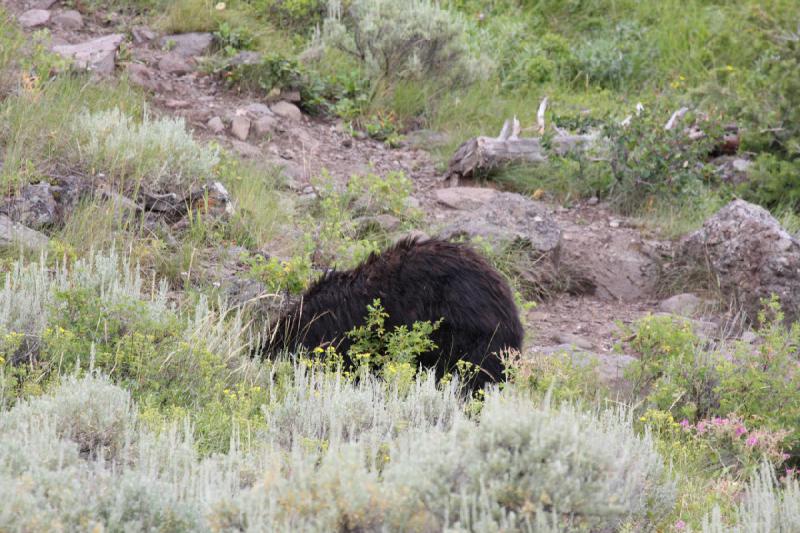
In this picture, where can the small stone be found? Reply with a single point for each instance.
(287, 110)
(175, 64)
(142, 35)
(68, 20)
(572, 340)
(188, 44)
(264, 126)
(592, 201)
(43, 4)
(291, 96)
(34, 17)
(245, 149)
(216, 125)
(174, 103)
(614, 223)
(257, 109)
(240, 128)
(682, 304)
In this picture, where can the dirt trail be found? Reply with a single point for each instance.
(305, 146)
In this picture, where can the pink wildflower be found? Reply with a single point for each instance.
(685, 424)
(752, 440)
(740, 430)
(680, 525)
(701, 427)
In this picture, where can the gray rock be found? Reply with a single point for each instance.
(287, 110)
(142, 35)
(613, 264)
(575, 341)
(68, 20)
(465, 198)
(751, 256)
(34, 17)
(257, 109)
(42, 4)
(34, 206)
(97, 54)
(188, 44)
(291, 170)
(245, 149)
(175, 64)
(215, 125)
(500, 218)
(240, 128)
(291, 96)
(15, 234)
(264, 126)
(686, 304)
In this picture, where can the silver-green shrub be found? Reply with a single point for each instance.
(523, 462)
(764, 508)
(397, 39)
(158, 154)
(28, 291)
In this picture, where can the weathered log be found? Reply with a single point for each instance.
(482, 154)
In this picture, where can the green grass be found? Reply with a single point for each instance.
(36, 127)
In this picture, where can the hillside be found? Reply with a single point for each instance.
(175, 174)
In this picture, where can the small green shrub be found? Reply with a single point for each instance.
(649, 162)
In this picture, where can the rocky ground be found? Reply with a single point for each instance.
(613, 265)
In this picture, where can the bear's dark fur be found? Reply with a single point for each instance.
(415, 281)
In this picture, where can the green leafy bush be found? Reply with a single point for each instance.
(755, 386)
(650, 162)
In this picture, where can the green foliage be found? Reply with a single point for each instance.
(391, 353)
(298, 15)
(649, 161)
(761, 385)
(293, 275)
(773, 182)
(331, 229)
(752, 391)
(230, 39)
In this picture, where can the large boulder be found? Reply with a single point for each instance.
(500, 218)
(15, 234)
(34, 206)
(98, 55)
(750, 255)
(616, 260)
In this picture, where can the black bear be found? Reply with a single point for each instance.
(416, 280)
